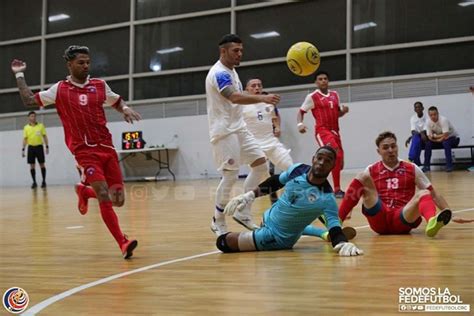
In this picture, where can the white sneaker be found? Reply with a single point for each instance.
(219, 227)
(244, 218)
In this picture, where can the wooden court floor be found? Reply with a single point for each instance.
(62, 259)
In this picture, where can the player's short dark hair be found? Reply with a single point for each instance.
(329, 148)
(433, 108)
(31, 112)
(319, 73)
(418, 102)
(72, 51)
(384, 135)
(229, 38)
(253, 78)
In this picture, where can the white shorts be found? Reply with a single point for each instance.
(279, 155)
(236, 149)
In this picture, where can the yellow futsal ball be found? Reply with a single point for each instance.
(303, 59)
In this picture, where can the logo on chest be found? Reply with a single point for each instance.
(312, 197)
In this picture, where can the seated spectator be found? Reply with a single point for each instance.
(441, 134)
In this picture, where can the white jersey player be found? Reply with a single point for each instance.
(232, 144)
(263, 122)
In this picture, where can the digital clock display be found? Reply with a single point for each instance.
(132, 140)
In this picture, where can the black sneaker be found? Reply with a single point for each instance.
(34, 185)
(43, 185)
(339, 194)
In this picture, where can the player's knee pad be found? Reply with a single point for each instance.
(221, 244)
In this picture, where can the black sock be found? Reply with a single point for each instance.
(33, 175)
(43, 173)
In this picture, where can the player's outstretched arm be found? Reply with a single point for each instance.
(238, 203)
(243, 98)
(129, 115)
(341, 245)
(299, 120)
(343, 110)
(27, 96)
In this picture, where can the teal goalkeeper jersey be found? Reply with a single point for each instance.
(300, 204)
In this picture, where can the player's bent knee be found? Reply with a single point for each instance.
(258, 162)
(422, 193)
(221, 244)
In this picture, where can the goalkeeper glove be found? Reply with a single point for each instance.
(347, 249)
(239, 203)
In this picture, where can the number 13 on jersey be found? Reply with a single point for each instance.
(392, 183)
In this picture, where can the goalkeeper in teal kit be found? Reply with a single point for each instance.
(308, 195)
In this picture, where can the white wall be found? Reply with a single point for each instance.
(194, 157)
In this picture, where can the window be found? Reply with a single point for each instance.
(109, 53)
(120, 87)
(29, 53)
(11, 102)
(413, 60)
(20, 18)
(179, 44)
(152, 8)
(71, 15)
(170, 86)
(278, 74)
(269, 32)
(383, 22)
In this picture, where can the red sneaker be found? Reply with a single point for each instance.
(82, 204)
(127, 247)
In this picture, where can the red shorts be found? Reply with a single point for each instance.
(386, 221)
(99, 164)
(325, 137)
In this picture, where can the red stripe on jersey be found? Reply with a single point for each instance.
(82, 114)
(394, 187)
(38, 100)
(326, 110)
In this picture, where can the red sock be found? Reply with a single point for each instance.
(351, 198)
(336, 171)
(427, 207)
(110, 219)
(88, 192)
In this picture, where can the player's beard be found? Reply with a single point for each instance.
(319, 175)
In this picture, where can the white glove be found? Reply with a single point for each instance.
(239, 203)
(347, 249)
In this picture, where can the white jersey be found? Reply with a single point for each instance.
(224, 116)
(442, 126)
(258, 118)
(418, 124)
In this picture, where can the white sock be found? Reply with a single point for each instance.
(256, 176)
(223, 192)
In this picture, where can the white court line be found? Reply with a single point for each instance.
(43, 304)
(74, 227)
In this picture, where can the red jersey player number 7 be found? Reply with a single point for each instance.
(79, 102)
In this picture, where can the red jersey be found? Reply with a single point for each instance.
(396, 187)
(80, 108)
(325, 109)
